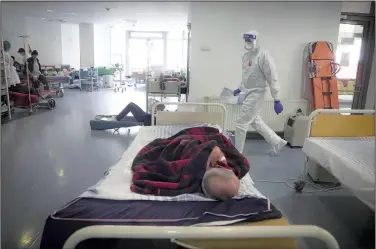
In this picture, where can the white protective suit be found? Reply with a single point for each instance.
(258, 73)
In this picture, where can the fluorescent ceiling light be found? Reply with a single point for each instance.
(49, 10)
(43, 18)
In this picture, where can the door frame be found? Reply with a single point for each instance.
(366, 56)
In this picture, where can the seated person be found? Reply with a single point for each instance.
(65, 72)
(16, 64)
(139, 114)
(24, 55)
(35, 70)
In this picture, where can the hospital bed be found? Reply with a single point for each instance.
(109, 210)
(172, 88)
(343, 146)
(59, 79)
(88, 76)
(57, 83)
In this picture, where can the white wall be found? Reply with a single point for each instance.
(70, 40)
(285, 28)
(45, 37)
(102, 45)
(12, 26)
(370, 100)
(356, 7)
(86, 45)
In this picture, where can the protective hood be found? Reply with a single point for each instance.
(251, 40)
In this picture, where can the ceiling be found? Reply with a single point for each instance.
(133, 14)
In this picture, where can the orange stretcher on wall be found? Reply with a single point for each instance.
(322, 72)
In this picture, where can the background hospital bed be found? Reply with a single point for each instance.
(265, 234)
(59, 80)
(344, 146)
(171, 88)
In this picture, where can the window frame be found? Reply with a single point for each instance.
(366, 54)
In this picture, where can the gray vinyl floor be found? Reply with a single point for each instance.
(51, 157)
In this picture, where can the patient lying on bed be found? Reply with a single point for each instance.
(195, 160)
(218, 182)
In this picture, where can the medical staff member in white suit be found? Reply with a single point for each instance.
(258, 73)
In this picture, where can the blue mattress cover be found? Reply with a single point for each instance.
(85, 212)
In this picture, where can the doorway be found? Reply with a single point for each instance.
(146, 53)
(354, 53)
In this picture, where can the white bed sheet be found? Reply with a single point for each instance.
(116, 183)
(350, 160)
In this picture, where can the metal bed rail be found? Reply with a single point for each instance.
(219, 232)
(172, 89)
(220, 106)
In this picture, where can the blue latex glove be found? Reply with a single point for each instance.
(278, 107)
(236, 92)
(240, 99)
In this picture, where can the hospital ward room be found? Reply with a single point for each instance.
(199, 125)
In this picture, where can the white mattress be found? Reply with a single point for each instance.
(350, 160)
(116, 183)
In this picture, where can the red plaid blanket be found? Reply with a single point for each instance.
(176, 165)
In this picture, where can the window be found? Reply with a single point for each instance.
(174, 54)
(176, 51)
(118, 45)
(347, 55)
(117, 59)
(156, 52)
(348, 50)
(138, 55)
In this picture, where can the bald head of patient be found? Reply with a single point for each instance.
(220, 184)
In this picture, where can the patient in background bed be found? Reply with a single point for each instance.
(218, 182)
(139, 114)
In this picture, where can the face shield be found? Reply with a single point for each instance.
(250, 41)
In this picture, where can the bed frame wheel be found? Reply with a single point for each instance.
(51, 104)
(60, 93)
(299, 186)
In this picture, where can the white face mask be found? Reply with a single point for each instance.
(251, 45)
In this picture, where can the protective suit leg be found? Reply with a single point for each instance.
(269, 135)
(250, 108)
(249, 115)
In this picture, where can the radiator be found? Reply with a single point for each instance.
(274, 121)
